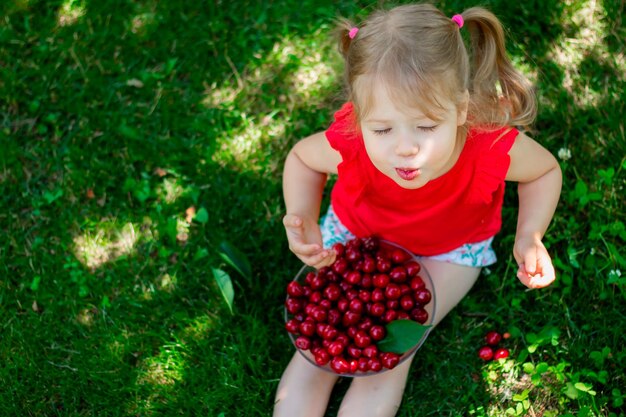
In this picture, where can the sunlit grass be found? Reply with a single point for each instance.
(582, 39)
(70, 11)
(105, 244)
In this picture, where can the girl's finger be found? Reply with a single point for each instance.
(308, 250)
(530, 262)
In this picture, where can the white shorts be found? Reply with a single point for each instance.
(477, 254)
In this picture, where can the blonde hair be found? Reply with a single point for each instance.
(419, 55)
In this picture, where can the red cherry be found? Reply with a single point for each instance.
(293, 326)
(398, 274)
(412, 268)
(309, 277)
(353, 277)
(419, 314)
(380, 280)
(354, 365)
(370, 351)
(334, 317)
(403, 315)
(377, 310)
(406, 302)
(369, 264)
(335, 348)
(326, 304)
(294, 289)
(399, 256)
(485, 353)
(303, 343)
(392, 292)
(350, 318)
(423, 296)
(383, 265)
(392, 304)
(354, 351)
(322, 357)
(294, 305)
(343, 304)
(417, 283)
(390, 360)
(366, 281)
(339, 249)
(501, 353)
(374, 364)
(493, 338)
(318, 282)
(365, 296)
(356, 305)
(389, 316)
(315, 297)
(341, 337)
(329, 333)
(319, 314)
(340, 266)
(332, 292)
(362, 366)
(377, 332)
(352, 254)
(371, 244)
(340, 365)
(365, 324)
(378, 295)
(307, 328)
(362, 339)
(351, 294)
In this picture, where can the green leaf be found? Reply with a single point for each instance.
(402, 335)
(34, 285)
(224, 283)
(202, 216)
(200, 253)
(235, 258)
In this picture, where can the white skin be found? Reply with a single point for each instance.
(407, 140)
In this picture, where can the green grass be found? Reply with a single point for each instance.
(118, 116)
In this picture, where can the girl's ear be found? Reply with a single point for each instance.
(461, 108)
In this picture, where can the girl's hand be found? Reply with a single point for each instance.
(305, 241)
(535, 265)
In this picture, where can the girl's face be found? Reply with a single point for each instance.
(408, 147)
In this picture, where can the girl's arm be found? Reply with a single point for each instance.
(539, 177)
(306, 169)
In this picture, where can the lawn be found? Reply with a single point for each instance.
(141, 141)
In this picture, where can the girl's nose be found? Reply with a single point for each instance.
(407, 146)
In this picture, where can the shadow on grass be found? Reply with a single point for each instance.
(125, 99)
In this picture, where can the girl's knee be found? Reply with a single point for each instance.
(378, 396)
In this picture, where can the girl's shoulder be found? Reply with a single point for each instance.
(343, 134)
(490, 152)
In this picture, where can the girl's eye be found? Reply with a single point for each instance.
(427, 128)
(381, 132)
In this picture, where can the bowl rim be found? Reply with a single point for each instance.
(406, 355)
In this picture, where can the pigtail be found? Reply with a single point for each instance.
(343, 28)
(515, 104)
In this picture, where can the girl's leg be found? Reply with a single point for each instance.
(303, 390)
(381, 395)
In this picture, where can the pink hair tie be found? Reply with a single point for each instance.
(353, 32)
(458, 19)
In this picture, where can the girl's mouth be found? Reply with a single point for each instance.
(408, 174)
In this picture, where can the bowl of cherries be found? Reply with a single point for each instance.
(366, 313)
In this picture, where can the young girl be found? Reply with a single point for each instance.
(422, 150)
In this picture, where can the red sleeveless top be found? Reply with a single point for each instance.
(462, 206)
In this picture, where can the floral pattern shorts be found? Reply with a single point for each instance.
(477, 254)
